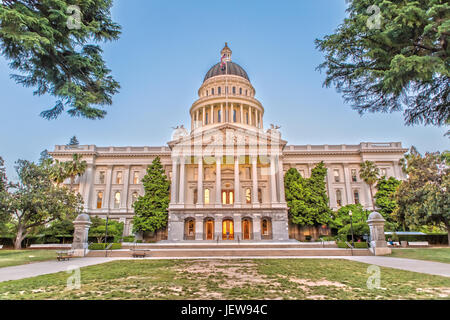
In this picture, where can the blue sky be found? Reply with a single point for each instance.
(162, 56)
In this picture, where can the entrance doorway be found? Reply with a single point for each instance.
(227, 230)
(209, 229)
(246, 229)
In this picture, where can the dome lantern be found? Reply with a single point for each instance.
(225, 54)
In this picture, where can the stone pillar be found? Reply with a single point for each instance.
(182, 190)
(88, 183)
(212, 114)
(257, 227)
(200, 194)
(255, 180)
(174, 182)
(250, 115)
(242, 113)
(203, 116)
(80, 235)
(273, 181)
(237, 187)
(199, 227)
(237, 221)
(281, 180)
(219, 182)
(197, 118)
(378, 244)
(218, 226)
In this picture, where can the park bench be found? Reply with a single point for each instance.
(419, 244)
(64, 255)
(139, 253)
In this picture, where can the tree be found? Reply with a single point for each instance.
(392, 55)
(151, 209)
(306, 198)
(54, 46)
(60, 171)
(369, 173)
(98, 229)
(342, 217)
(36, 201)
(44, 156)
(385, 197)
(424, 197)
(73, 142)
(3, 179)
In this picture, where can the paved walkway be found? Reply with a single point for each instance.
(48, 267)
(428, 267)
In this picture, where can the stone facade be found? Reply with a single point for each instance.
(226, 172)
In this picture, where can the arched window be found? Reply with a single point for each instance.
(248, 195)
(207, 194)
(191, 228)
(219, 116)
(212, 91)
(234, 115)
(219, 90)
(339, 198)
(240, 91)
(265, 227)
(99, 200)
(234, 90)
(206, 118)
(117, 200)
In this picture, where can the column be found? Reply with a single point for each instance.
(107, 200)
(126, 183)
(281, 180)
(237, 221)
(88, 183)
(242, 113)
(250, 115)
(348, 187)
(200, 194)
(197, 118)
(331, 192)
(181, 192)
(255, 180)
(212, 114)
(203, 116)
(273, 181)
(199, 227)
(174, 182)
(218, 181)
(260, 120)
(218, 226)
(237, 187)
(222, 116)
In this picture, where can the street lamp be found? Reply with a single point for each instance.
(351, 226)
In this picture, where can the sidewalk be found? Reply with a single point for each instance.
(48, 267)
(421, 266)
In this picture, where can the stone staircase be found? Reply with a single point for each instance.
(231, 249)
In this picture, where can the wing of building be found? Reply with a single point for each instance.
(226, 172)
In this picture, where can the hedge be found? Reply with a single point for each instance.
(358, 245)
(102, 246)
(434, 238)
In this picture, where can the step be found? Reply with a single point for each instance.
(235, 252)
(227, 246)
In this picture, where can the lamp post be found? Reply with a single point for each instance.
(351, 226)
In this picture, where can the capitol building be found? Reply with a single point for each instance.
(227, 171)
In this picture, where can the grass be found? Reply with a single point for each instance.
(230, 279)
(430, 254)
(17, 257)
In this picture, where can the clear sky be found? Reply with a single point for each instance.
(165, 51)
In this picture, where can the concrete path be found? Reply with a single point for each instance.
(428, 267)
(48, 267)
(40, 268)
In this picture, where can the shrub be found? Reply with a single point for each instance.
(128, 239)
(102, 246)
(358, 245)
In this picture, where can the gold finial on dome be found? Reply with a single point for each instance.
(226, 52)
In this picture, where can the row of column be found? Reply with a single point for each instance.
(178, 189)
(228, 116)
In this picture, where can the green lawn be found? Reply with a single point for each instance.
(16, 257)
(230, 279)
(431, 254)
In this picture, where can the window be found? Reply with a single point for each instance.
(246, 117)
(212, 91)
(234, 115)
(248, 172)
(117, 200)
(337, 178)
(248, 195)
(101, 177)
(383, 172)
(265, 227)
(207, 194)
(206, 118)
(354, 175)
(119, 177)
(206, 92)
(195, 196)
(134, 197)
(356, 196)
(99, 200)
(219, 116)
(191, 228)
(136, 177)
(260, 196)
(240, 91)
(339, 198)
(234, 90)
(246, 92)
(219, 90)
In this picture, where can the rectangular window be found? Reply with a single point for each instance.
(99, 200)
(337, 177)
(356, 196)
(101, 177)
(119, 177)
(206, 196)
(136, 177)
(383, 172)
(248, 196)
(339, 198)
(117, 200)
(354, 175)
